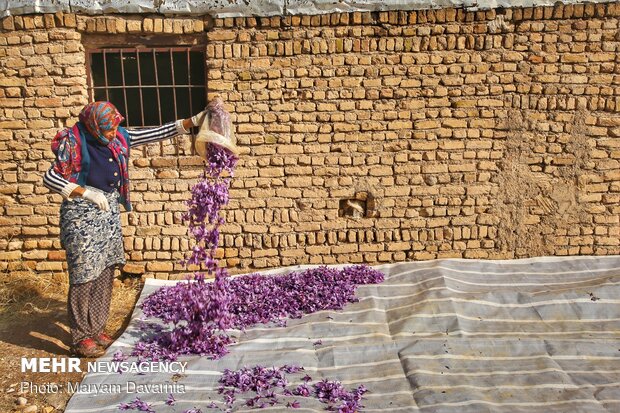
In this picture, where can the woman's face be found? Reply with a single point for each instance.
(109, 134)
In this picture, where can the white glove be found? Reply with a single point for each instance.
(199, 118)
(97, 198)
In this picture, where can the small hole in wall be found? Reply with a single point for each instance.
(352, 208)
(360, 206)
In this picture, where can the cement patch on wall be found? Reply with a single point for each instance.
(244, 8)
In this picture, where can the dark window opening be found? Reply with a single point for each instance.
(149, 86)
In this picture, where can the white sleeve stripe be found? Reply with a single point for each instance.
(157, 134)
(141, 137)
(51, 178)
(53, 187)
(54, 181)
(150, 131)
(56, 176)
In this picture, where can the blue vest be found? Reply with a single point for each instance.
(98, 159)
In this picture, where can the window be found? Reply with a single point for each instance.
(149, 86)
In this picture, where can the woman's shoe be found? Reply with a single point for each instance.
(103, 340)
(87, 348)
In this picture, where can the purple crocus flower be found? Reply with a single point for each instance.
(293, 405)
(138, 405)
(171, 401)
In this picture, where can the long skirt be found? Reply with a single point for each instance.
(92, 238)
(93, 243)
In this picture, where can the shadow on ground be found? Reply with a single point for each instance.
(34, 324)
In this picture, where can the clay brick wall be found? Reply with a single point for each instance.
(366, 137)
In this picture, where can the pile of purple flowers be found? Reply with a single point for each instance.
(337, 397)
(200, 311)
(268, 384)
(199, 322)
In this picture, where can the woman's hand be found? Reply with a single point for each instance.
(97, 198)
(199, 118)
(195, 120)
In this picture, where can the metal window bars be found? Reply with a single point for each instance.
(150, 86)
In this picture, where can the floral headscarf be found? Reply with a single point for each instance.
(99, 117)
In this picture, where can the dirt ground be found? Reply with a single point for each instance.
(33, 323)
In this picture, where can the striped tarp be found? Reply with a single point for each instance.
(534, 335)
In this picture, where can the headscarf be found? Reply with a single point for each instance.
(99, 117)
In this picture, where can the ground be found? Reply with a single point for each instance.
(33, 323)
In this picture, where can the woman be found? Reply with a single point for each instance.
(91, 173)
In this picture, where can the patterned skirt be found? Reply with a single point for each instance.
(92, 238)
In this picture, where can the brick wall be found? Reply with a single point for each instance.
(366, 137)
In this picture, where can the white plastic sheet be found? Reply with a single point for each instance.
(537, 336)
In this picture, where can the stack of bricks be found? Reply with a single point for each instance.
(365, 137)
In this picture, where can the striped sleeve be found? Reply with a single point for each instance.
(56, 183)
(144, 136)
